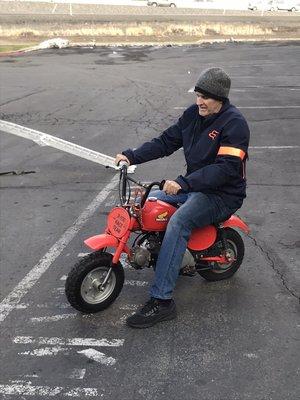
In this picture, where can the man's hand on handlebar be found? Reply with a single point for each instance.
(171, 187)
(121, 157)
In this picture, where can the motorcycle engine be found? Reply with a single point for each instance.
(145, 253)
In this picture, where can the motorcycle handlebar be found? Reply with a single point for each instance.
(148, 190)
(123, 181)
(123, 184)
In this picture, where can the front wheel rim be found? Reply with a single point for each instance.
(91, 291)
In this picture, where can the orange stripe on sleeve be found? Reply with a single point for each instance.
(231, 151)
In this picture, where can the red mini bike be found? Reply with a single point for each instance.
(215, 251)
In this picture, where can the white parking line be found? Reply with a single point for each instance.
(97, 356)
(23, 306)
(252, 107)
(266, 107)
(55, 306)
(56, 341)
(191, 90)
(17, 307)
(45, 351)
(136, 283)
(130, 307)
(273, 147)
(14, 297)
(53, 318)
(23, 388)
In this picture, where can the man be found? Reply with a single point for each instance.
(215, 137)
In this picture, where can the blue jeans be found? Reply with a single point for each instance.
(197, 210)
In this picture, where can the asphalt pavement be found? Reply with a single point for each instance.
(236, 339)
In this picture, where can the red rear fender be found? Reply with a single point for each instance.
(100, 241)
(236, 222)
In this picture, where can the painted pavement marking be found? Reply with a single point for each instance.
(57, 341)
(250, 355)
(45, 351)
(97, 356)
(273, 147)
(266, 107)
(23, 306)
(14, 297)
(130, 307)
(78, 373)
(63, 306)
(135, 283)
(192, 89)
(56, 345)
(54, 318)
(59, 290)
(253, 107)
(23, 388)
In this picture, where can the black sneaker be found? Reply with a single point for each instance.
(152, 312)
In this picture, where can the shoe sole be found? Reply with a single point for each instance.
(149, 324)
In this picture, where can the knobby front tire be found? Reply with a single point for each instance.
(83, 284)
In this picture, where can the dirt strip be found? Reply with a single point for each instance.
(126, 24)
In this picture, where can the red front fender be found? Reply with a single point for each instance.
(101, 241)
(236, 222)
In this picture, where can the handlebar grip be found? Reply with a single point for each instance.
(123, 163)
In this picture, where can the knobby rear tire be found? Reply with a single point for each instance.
(77, 278)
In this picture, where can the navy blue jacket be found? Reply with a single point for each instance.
(215, 149)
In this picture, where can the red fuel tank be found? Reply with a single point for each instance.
(156, 214)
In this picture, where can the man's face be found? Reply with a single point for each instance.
(206, 105)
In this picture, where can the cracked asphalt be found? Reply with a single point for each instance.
(236, 339)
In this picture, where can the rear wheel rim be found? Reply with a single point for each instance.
(90, 287)
(226, 267)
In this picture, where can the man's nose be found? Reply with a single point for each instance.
(199, 101)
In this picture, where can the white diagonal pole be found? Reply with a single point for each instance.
(44, 139)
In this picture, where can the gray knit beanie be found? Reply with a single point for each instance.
(214, 83)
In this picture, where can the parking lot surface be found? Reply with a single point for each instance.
(235, 339)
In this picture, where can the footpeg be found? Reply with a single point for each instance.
(188, 270)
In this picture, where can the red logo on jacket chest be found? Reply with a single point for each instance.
(213, 134)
